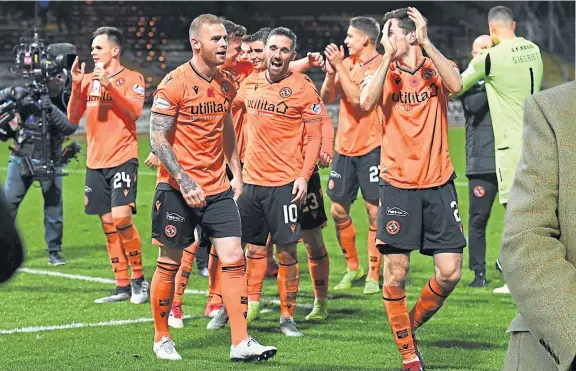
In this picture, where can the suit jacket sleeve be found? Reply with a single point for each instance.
(541, 280)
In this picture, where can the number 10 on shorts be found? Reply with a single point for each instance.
(290, 213)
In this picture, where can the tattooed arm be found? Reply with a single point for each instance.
(160, 126)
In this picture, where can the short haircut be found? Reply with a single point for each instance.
(113, 34)
(284, 31)
(262, 34)
(500, 14)
(201, 20)
(233, 29)
(367, 26)
(404, 22)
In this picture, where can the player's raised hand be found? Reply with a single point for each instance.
(237, 187)
(315, 59)
(324, 160)
(421, 29)
(192, 192)
(334, 54)
(78, 71)
(388, 41)
(152, 161)
(300, 190)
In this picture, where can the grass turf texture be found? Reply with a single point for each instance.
(468, 333)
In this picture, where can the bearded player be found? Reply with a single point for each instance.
(417, 176)
(193, 135)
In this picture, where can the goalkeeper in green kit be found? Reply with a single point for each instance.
(512, 71)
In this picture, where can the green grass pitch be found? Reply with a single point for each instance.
(66, 331)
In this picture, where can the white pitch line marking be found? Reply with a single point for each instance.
(66, 275)
(83, 325)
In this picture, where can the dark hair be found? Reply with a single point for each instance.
(113, 34)
(367, 26)
(199, 21)
(404, 22)
(284, 31)
(500, 13)
(233, 29)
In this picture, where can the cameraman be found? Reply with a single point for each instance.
(30, 105)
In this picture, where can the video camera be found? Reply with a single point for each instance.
(39, 62)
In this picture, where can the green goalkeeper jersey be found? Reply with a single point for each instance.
(512, 71)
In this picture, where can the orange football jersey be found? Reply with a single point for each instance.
(200, 104)
(415, 128)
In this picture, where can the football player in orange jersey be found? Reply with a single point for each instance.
(112, 97)
(419, 206)
(192, 134)
(244, 55)
(284, 114)
(358, 138)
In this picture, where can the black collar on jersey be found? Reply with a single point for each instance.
(272, 82)
(415, 70)
(201, 75)
(117, 73)
(369, 60)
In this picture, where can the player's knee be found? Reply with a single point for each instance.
(169, 255)
(339, 213)
(255, 249)
(106, 218)
(449, 277)
(396, 269)
(122, 223)
(287, 254)
(313, 239)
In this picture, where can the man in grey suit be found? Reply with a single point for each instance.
(538, 253)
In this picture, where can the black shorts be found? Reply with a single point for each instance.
(174, 222)
(313, 213)
(269, 210)
(111, 187)
(349, 173)
(419, 219)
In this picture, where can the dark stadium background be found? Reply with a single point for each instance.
(157, 32)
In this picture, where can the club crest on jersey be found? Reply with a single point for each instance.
(225, 87)
(316, 108)
(211, 93)
(161, 103)
(138, 89)
(120, 82)
(285, 92)
(427, 74)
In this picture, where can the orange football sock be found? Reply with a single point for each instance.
(184, 272)
(214, 277)
(346, 234)
(256, 265)
(431, 299)
(161, 292)
(131, 243)
(116, 254)
(288, 281)
(319, 268)
(397, 310)
(374, 256)
(235, 296)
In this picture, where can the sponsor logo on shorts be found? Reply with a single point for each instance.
(173, 217)
(479, 191)
(125, 193)
(293, 227)
(170, 231)
(393, 227)
(87, 189)
(158, 204)
(396, 211)
(334, 174)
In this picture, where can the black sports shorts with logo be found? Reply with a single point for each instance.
(313, 213)
(269, 210)
(174, 222)
(419, 219)
(111, 187)
(350, 173)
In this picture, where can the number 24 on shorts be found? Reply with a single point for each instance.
(121, 177)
